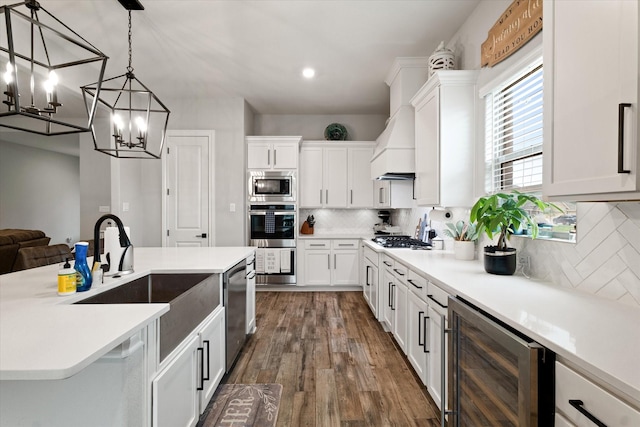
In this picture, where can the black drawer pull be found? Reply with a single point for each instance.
(396, 270)
(411, 281)
(578, 404)
(201, 351)
(436, 301)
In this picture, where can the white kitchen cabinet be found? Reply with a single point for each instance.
(181, 390)
(174, 389)
(393, 194)
(577, 395)
(437, 344)
(360, 184)
(211, 339)
(417, 334)
(400, 308)
(370, 279)
(445, 127)
(336, 175)
(331, 262)
(273, 152)
(387, 288)
(590, 136)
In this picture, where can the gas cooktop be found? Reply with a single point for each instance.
(401, 242)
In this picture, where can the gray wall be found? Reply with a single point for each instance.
(360, 127)
(40, 190)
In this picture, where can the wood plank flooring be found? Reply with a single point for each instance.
(336, 364)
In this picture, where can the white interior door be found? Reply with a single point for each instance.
(189, 189)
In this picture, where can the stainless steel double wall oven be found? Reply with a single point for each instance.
(273, 226)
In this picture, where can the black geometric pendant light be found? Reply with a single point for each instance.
(41, 63)
(138, 119)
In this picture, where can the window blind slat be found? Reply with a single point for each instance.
(513, 132)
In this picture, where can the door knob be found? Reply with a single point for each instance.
(203, 235)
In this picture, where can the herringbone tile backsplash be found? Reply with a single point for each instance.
(606, 258)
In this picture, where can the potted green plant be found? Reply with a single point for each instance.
(464, 235)
(503, 214)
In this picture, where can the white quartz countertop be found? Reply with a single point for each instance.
(44, 336)
(334, 236)
(595, 335)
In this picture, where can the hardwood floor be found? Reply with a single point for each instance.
(336, 364)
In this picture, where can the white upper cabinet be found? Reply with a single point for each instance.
(273, 152)
(591, 100)
(445, 119)
(336, 175)
(360, 183)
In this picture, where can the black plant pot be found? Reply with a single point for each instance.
(500, 261)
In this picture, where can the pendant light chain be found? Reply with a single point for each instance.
(130, 68)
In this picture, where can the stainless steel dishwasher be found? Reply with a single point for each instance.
(235, 305)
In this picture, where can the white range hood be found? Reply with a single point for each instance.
(394, 155)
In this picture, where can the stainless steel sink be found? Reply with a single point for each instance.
(191, 298)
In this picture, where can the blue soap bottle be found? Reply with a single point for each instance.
(83, 273)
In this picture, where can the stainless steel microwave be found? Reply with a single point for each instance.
(272, 186)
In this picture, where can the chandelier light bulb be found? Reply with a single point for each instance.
(142, 125)
(117, 122)
(8, 75)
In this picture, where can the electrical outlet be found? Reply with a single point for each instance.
(523, 261)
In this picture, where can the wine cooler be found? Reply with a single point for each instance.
(497, 376)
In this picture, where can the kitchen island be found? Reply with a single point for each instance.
(46, 339)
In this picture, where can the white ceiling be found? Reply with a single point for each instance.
(257, 49)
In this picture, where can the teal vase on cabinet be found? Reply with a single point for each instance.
(83, 273)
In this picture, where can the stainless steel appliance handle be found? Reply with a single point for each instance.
(276, 213)
(621, 108)
(579, 405)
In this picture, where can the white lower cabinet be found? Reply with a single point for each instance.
(370, 279)
(400, 306)
(331, 262)
(583, 403)
(174, 395)
(417, 335)
(387, 288)
(188, 380)
(212, 339)
(437, 344)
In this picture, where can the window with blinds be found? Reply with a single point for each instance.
(514, 133)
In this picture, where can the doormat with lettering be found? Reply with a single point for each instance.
(236, 405)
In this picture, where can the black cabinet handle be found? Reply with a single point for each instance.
(396, 270)
(436, 301)
(367, 274)
(206, 342)
(390, 300)
(578, 404)
(621, 108)
(424, 334)
(201, 351)
(420, 334)
(411, 281)
(393, 299)
(386, 263)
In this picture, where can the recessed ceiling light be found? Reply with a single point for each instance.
(308, 73)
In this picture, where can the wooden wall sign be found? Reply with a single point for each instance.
(517, 25)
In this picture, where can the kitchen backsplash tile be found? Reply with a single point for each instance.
(341, 221)
(604, 261)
